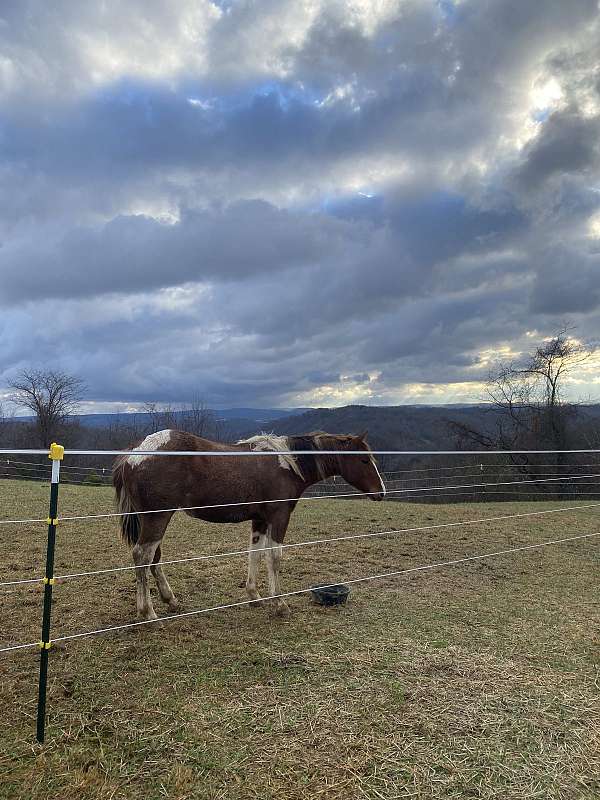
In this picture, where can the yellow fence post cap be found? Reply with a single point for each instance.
(57, 452)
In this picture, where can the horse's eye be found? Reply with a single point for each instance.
(365, 460)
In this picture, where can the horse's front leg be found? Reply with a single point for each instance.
(275, 536)
(257, 543)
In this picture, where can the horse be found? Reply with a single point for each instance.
(239, 489)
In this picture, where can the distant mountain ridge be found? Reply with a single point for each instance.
(389, 427)
(249, 415)
(409, 427)
(415, 428)
(404, 427)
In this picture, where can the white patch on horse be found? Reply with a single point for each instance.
(271, 443)
(153, 442)
(384, 492)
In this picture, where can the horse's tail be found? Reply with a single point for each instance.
(129, 522)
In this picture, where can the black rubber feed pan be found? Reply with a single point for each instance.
(331, 595)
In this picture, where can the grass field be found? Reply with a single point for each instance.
(476, 680)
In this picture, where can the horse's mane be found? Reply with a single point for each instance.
(323, 465)
(316, 467)
(273, 443)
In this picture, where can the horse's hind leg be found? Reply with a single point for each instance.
(152, 528)
(257, 543)
(275, 534)
(143, 553)
(164, 589)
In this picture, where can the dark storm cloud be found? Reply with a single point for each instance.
(566, 144)
(133, 253)
(437, 226)
(567, 281)
(475, 42)
(418, 88)
(410, 90)
(406, 90)
(254, 199)
(140, 131)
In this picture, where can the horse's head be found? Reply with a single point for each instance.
(361, 470)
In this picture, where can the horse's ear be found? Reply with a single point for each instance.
(362, 437)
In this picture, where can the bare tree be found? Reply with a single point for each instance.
(197, 418)
(222, 431)
(194, 417)
(52, 397)
(531, 394)
(527, 403)
(159, 418)
(527, 397)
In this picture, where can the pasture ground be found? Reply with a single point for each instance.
(476, 680)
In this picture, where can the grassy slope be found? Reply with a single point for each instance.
(478, 680)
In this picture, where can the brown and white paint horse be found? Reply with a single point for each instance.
(148, 483)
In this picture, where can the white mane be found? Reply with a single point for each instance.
(155, 441)
(273, 443)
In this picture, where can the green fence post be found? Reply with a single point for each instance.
(56, 454)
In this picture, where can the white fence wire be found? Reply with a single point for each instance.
(380, 576)
(562, 479)
(175, 509)
(262, 453)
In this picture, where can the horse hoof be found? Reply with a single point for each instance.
(148, 616)
(173, 605)
(282, 610)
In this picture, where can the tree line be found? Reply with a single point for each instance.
(54, 399)
(525, 408)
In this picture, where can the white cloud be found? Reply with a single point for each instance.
(55, 49)
(246, 196)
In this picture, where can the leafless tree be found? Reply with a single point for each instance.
(526, 399)
(222, 430)
(197, 418)
(4, 426)
(194, 417)
(52, 396)
(531, 394)
(160, 418)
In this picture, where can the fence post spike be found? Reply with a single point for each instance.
(56, 453)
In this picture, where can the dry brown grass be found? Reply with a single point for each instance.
(478, 680)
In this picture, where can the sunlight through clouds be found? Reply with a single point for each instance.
(312, 202)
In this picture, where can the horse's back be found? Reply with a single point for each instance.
(189, 442)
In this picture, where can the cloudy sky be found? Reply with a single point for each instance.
(296, 202)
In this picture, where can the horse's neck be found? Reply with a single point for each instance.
(313, 465)
(327, 469)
